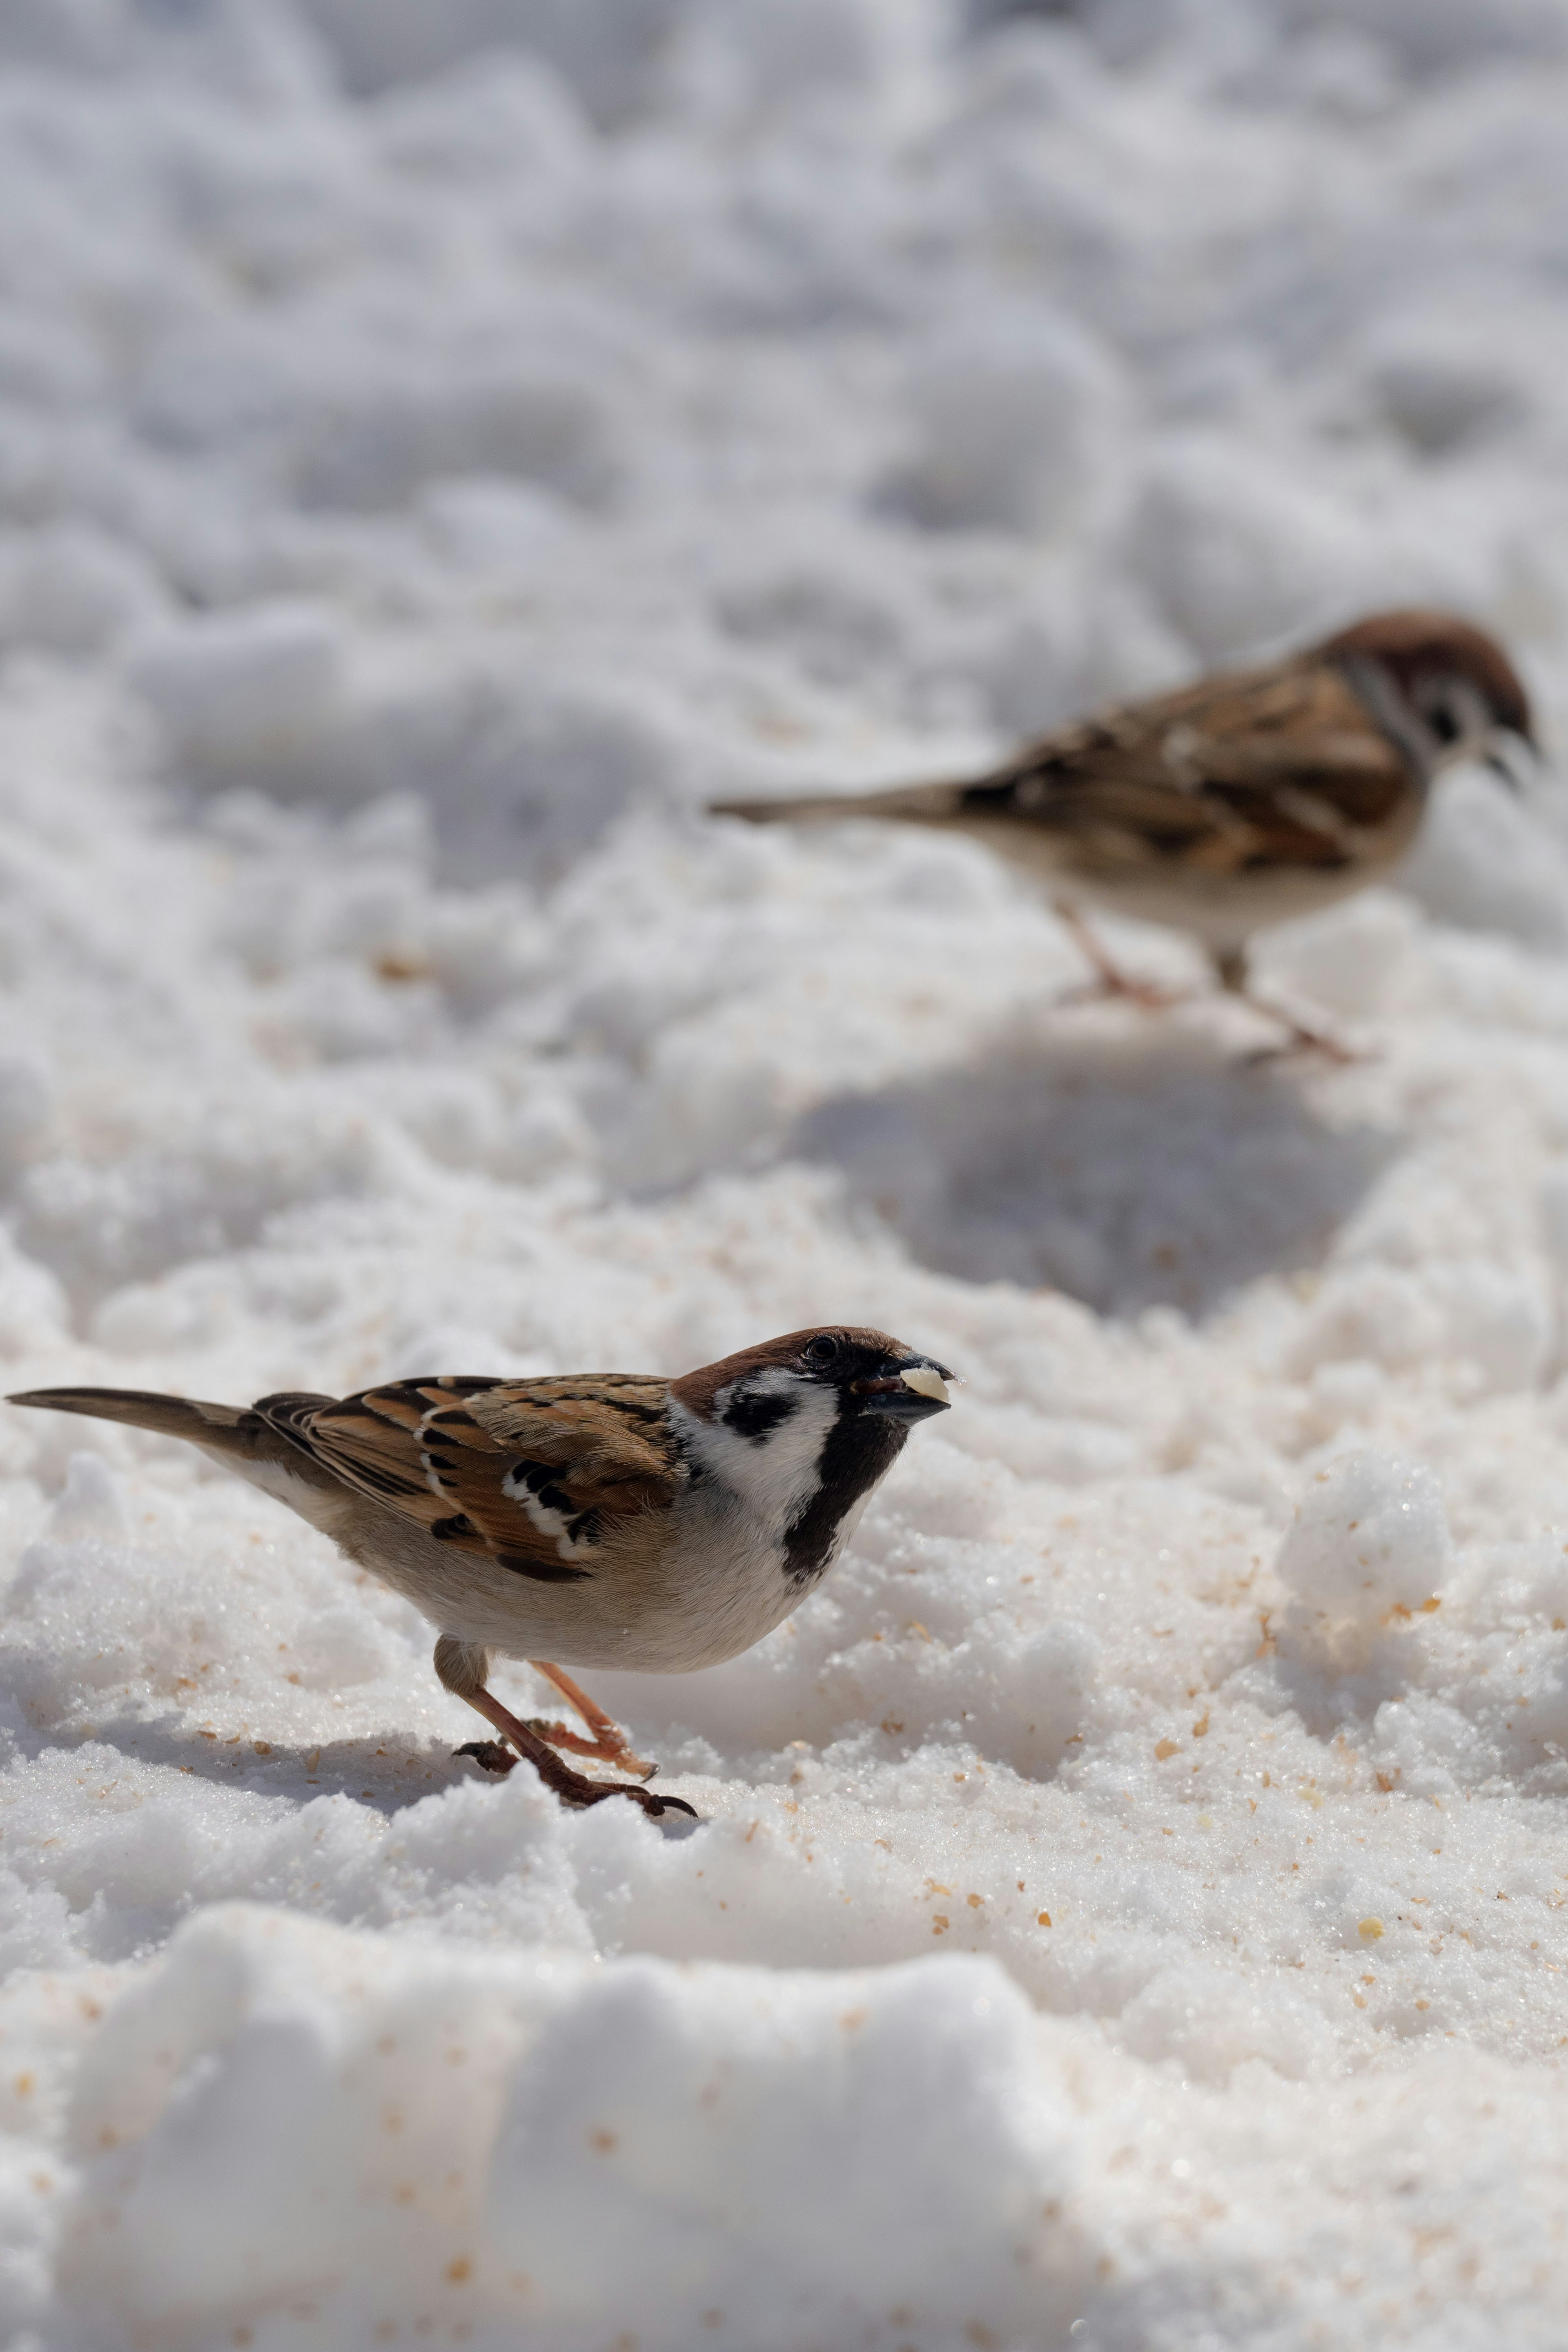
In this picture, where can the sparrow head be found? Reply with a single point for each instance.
(857, 1374)
(1443, 687)
(801, 1428)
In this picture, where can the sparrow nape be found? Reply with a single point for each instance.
(1236, 801)
(612, 1519)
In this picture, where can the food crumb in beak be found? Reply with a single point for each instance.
(926, 1380)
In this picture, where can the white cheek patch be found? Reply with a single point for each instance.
(775, 1474)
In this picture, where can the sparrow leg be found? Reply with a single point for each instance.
(1301, 1037)
(608, 1742)
(463, 1668)
(1110, 980)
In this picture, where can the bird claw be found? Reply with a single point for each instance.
(651, 1805)
(572, 1787)
(577, 1788)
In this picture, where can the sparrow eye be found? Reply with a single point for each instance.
(1444, 724)
(822, 1351)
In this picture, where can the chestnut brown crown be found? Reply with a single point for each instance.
(856, 1359)
(1419, 646)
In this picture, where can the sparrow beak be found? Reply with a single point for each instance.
(911, 1391)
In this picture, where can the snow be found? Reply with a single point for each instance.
(442, 449)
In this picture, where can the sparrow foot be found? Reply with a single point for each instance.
(1301, 1037)
(608, 1748)
(572, 1788)
(1146, 994)
(576, 1789)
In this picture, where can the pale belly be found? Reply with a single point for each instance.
(1223, 910)
(718, 1586)
(1224, 914)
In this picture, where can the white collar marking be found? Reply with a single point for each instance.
(776, 1475)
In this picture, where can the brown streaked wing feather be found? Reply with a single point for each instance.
(439, 1450)
(1285, 766)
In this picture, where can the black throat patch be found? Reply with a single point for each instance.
(859, 1449)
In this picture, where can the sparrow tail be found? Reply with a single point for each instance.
(914, 803)
(221, 1428)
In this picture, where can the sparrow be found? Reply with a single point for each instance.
(1234, 803)
(605, 1518)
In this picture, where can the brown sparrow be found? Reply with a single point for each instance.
(1234, 803)
(610, 1519)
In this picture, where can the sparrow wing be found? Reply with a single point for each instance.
(1284, 766)
(532, 1474)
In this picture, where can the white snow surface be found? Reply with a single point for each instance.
(442, 446)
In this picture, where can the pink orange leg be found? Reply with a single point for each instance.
(608, 1742)
(463, 1668)
(1300, 1037)
(1110, 980)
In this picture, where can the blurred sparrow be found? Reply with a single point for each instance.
(1235, 803)
(611, 1520)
